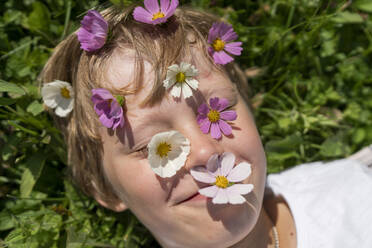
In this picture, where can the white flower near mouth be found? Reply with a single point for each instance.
(225, 177)
(167, 153)
(59, 95)
(181, 79)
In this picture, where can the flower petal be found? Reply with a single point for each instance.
(203, 109)
(223, 103)
(102, 93)
(235, 199)
(142, 15)
(164, 5)
(176, 90)
(152, 6)
(229, 115)
(210, 191)
(234, 48)
(214, 102)
(186, 90)
(230, 35)
(225, 128)
(168, 165)
(213, 33)
(227, 163)
(222, 58)
(239, 189)
(221, 197)
(213, 164)
(202, 176)
(215, 131)
(205, 126)
(193, 83)
(239, 172)
(172, 8)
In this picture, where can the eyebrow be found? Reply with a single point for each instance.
(230, 93)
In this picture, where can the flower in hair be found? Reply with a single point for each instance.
(93, 31)
(214, 118)
(109, 108)
(181, 79)
(220, 38)
(225, 178)
(153, 13)
(58, 95)
(167, 153)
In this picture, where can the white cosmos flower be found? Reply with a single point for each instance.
(59, 95)
(167, 153)
(181, 78)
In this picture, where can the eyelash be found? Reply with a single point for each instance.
(143, 152)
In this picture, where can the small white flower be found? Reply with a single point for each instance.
(180, 78)
(168, 152)
(59, 95)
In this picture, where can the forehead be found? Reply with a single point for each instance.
(120, 72)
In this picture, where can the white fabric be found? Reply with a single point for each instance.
(331, 202)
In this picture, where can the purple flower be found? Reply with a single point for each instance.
(214, 118)
(220, 37)
(109, 110)
(93, 32)
(155, 14)
(224, 176)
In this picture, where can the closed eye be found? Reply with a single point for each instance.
(142, 152)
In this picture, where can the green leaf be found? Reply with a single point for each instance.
(4, 101)
(288, 144)
(34, 167)
(364, 5)
(347, 17)
(333, 147)
(6, 221)
(39, 19)
(11, 88)
(35, 108)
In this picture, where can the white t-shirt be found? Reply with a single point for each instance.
(331, 202)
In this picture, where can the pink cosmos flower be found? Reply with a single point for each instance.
(220, 36)
(108, 108)
(93, 32)
(225, 177)
(214, 118)
(155, 14)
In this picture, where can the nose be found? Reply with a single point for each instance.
(203, 146)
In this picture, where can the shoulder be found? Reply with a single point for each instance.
(326, 196)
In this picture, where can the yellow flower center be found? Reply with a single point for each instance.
(163, 149)
(180, 77)
(157, 16)
(221, 182)
(65, 92)
(218, 45)
(213, 115)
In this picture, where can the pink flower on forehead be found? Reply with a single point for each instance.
(93, 32)
(214, 118)
(155, 14)
(220, 37)
(225, 177)
(108, 108)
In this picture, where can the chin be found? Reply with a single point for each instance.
(216, 225)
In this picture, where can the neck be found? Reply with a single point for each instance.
(262, 234)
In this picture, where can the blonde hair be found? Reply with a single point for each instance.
(84, 71)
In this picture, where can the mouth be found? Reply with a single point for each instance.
(193, 198)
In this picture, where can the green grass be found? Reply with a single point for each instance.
(308, 63)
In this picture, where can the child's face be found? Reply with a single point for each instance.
(162, 204)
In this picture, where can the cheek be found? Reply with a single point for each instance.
(247, 145)
(136, 183)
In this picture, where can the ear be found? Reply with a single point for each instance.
(114, 204)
